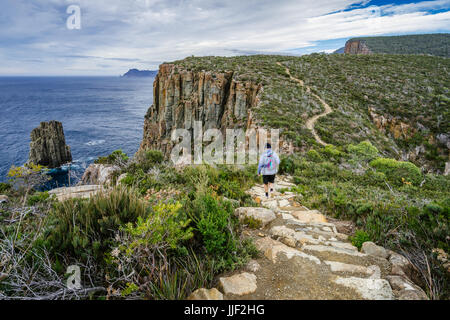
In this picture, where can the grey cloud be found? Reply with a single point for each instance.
(144, 33)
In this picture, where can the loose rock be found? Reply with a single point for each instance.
(263, 215)
(3, 199)
(206, 294)
(372, 249)
(239, 284)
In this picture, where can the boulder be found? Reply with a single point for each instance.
(400, 266)
(48, 145)
(97, 174)
(263, 215)
(372, 249)
(3, 199)
(239, 284)
(206, 294)
(406, 290)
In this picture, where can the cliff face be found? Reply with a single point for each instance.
(48, 145)
(356, 47)
(182, 97)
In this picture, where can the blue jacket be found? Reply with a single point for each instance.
(264, 166)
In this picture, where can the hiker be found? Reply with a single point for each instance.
(268, 167)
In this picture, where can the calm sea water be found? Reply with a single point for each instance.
(99, 115)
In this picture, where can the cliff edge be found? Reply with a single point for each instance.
(183, 96)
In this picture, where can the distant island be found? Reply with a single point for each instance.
(133, 73)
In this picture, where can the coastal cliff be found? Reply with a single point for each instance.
(356, 47)
(182, 96)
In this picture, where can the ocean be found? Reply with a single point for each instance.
(99, 115)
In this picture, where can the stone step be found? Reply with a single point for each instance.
(370, 289)
(371, 271)
(331, 236)
(271, 248)
(330, 249)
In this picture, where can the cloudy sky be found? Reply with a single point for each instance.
(116, 35)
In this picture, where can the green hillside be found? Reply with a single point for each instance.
(433, 44)
(411, 89)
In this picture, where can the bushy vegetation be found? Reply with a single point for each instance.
(85, 228)
(433, 44)
(116, 157)
(161, 233)
(391, 202)
(398, 172)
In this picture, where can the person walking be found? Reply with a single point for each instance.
(268, 167)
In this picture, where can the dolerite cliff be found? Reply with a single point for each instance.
(181, 97)
(48, 145)
(356, 47)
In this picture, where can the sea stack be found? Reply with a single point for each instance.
(48, 145)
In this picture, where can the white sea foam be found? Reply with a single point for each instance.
(95, 142)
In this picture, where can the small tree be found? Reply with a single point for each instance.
(28, 176)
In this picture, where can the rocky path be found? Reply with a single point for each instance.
(310, 123)
(305, 256)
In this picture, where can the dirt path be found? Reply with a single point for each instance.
(304, 256)
(312, 121)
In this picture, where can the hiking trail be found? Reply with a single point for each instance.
(304, 255)
(310, 123)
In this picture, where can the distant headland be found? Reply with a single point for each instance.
(133, 73)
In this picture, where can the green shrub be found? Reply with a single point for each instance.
(359, 238)
(313, 155)
(117, 157)
(154, 156)
(5, 187)
(38, 197)
(331, 152)
(164, 229)
(213, 218)
(252, 223)
(398, 172)
(364, 151)
(86, 227)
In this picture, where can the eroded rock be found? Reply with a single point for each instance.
(48, 145)
(97, 174)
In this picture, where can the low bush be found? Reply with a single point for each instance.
(4, 187)
(38, 197)
(398, 172)
(83, 228)
(362, 152)
(117, 157)
(359, 238)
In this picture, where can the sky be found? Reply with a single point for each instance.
(116, 35)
